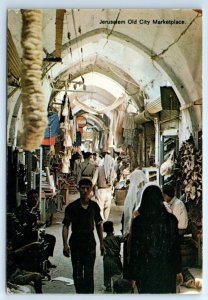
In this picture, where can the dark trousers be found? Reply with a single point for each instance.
(83, 271)
(51, 241)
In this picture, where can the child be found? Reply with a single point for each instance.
(111, 260)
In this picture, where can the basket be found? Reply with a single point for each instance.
(120, 196)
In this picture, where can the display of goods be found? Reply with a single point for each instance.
(34, 110)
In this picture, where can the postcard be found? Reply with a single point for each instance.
(104, 151)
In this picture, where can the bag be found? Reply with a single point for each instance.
(166, 168)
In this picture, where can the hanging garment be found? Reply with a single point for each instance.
(119, 140)
(101, 139)
(49, 141)
(129, 129)
(65, 164)
(65, 125)
(67, 140)
(78, 140)
(53, 128)
(62, 118)
(65, 111)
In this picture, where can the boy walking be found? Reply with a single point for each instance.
(112, 259)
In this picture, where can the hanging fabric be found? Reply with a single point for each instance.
(119, 126)
(66, 109)
(104, 110)
(129, 129)
(67, 139)
(78, 140)
(53, 128)
(49, 141)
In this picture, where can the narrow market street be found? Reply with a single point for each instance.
(64, 267)
(100, 104)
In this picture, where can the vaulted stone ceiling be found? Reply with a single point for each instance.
(140, 55)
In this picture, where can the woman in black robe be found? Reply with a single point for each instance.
(155, 260)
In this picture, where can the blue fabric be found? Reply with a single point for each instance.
(53, 128)
(78, 141)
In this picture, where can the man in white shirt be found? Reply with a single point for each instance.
(103, 179)
(86, 168)
(175, 206)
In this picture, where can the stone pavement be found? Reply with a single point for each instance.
(64, 266)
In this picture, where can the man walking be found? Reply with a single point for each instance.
(82, 214)
(86, 168)
(103, 181)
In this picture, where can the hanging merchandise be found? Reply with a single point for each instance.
(75, 129)
(129, 129)
(66, 161)
(103, 145)
(87, 135)
(51, 131)
(78, 139)
(48, 141)
(167, 167)
(53, 128)
(72, 130)
(189, 162)
(33, 106)
(119, 126)
(111, 130)
(65, 125)
(65, 111)
(62, 118)
(67, 139)
(189, 179)
(81, 122)
(104, 110)
(71, 117)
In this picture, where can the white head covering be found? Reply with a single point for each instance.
(133, 197)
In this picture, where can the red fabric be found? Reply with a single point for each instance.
(49, 141)
(81, 130)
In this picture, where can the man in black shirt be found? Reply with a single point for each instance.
(82, 214)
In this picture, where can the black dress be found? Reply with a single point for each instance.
(155, 254)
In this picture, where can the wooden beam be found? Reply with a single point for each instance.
(59, 30)
(195, 102)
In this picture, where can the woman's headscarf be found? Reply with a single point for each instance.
(137, 181)
(151, 201)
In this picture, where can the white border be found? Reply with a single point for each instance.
(4, 5)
